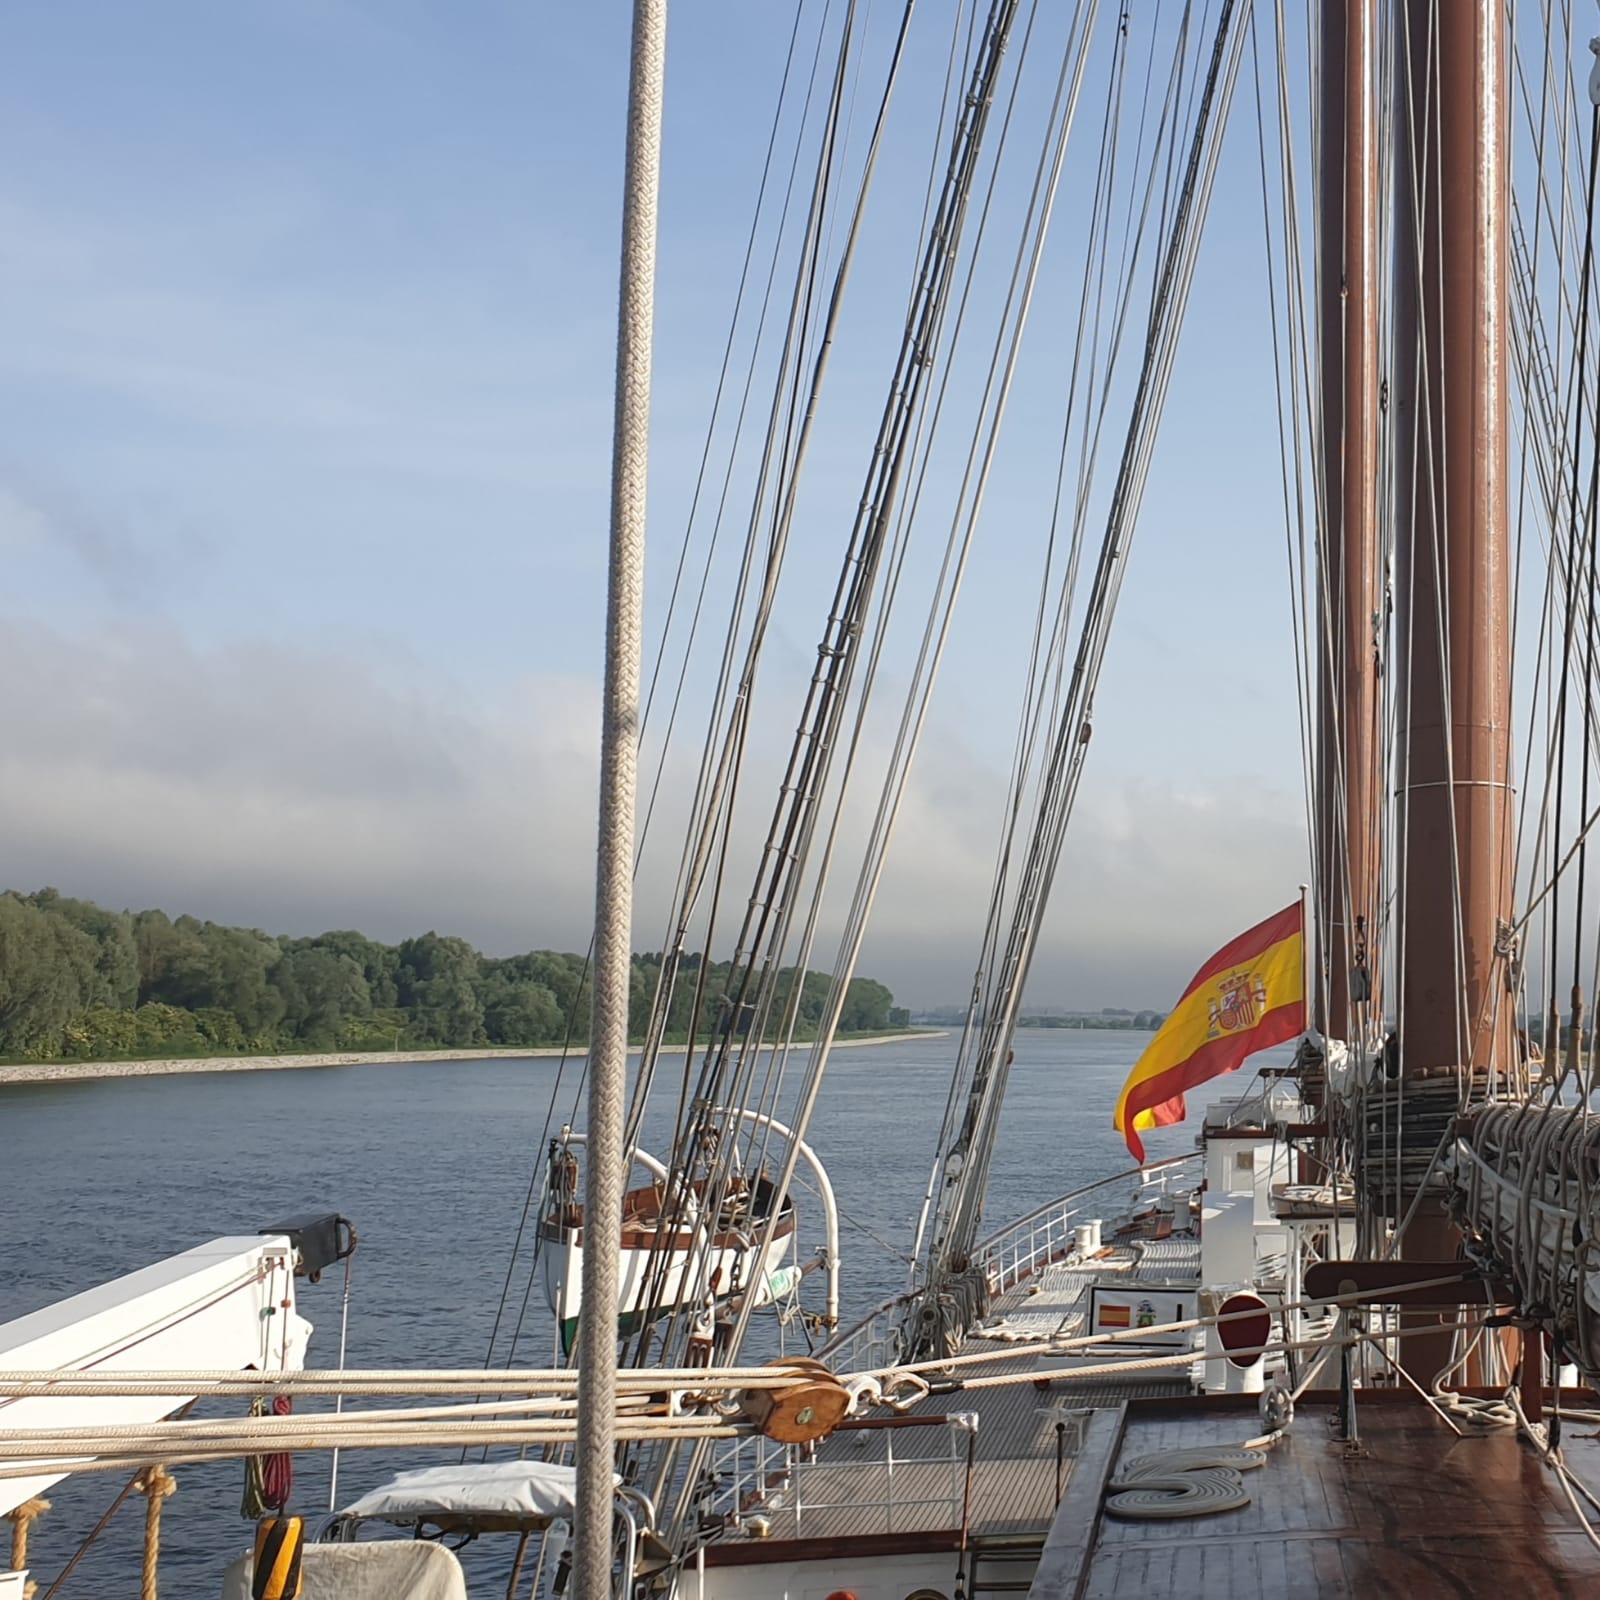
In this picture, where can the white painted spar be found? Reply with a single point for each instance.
(229, 1303)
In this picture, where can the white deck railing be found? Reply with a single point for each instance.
(1034, 1241)
(909, 1473)
(867, 1345)
(1014, 1254)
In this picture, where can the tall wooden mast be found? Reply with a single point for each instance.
(1451, 374)
(1349, 797)
(1453, 561)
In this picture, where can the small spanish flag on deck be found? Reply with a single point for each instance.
(1249, 996)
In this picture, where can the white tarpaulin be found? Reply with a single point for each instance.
(395, 1569)
(521, 1489)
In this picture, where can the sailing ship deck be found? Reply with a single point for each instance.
(850, 1493)
(1413, 1510)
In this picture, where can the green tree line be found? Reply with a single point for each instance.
(78, 981)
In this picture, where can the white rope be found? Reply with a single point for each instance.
(1539, 1438)
(708, 807)
(728, 1073)
(125, 1455)
(1130, 1335)
(980, 460)
(1117, 1369)
(1230, 1458)
(551, 1389)
(1195, 1482)
(378, 1382)
(24, 1452)
(268, 1426)
(1160, 1497)
(673, 953)
(327, 1429)
(721, 759)
(1068, 748)
(764, 942)
(604, 1173)
(116, 1448)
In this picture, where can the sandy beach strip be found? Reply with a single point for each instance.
(83, 1071)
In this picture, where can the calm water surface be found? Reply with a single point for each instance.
(431, 1161)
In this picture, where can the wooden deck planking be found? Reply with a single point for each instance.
(1076, 1524)
(1445, 1568)
(1416, 1512)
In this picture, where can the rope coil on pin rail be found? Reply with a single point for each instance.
(268, 1479)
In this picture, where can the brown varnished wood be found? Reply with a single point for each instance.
(1382, 1283)
(1420, 1514)
(1349, 797)
(643, 1212)
(1416, 1512)
(1077, 1521)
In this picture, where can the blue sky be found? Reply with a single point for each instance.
(306, 332)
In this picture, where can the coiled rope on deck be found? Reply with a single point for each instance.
(1235, 1458)
(1197, 1482)
(1201, 1493)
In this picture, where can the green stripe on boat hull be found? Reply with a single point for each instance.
(628, 1323)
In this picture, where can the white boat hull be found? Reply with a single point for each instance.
(730, 1269)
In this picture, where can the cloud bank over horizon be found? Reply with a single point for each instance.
(298, 790)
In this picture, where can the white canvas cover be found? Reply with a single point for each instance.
(522, 1489)
(395, 1569)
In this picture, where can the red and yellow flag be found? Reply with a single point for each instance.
(1250, 995)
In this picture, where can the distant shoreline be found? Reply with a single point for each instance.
(89, 1071)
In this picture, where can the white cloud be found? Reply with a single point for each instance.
(298, 791)
(1154, 875)
(294, 791)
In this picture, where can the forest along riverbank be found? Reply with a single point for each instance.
(73, 1071)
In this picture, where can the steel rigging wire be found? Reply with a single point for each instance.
(658, 669)
(961, 1209)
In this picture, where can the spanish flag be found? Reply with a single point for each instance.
(1250, 995)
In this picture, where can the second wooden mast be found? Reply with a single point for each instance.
(1350, 595)
(1454, 580)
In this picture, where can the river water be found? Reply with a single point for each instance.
(432, 1161)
